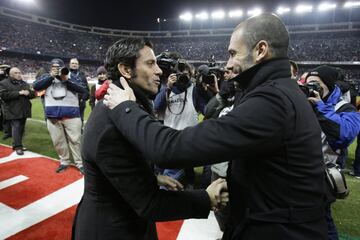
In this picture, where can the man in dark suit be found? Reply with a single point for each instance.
(16, 95)
(122, 199)
(276, 173)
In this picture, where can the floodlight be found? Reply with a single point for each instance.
(235, 13)
(202, 16)
(254, 12)
(29, 2)
(326, 6)
(283, 10)
(352, 4)
(218, 14)
(303, 8)
(186, 16)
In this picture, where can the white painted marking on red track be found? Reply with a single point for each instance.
(12, 181)
(200, 229)
(13, 156)
(18, 220)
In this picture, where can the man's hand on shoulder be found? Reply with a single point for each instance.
(116, 95)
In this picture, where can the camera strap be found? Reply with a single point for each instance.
(168, 102)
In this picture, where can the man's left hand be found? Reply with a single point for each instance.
(315, 99)
(169, 183)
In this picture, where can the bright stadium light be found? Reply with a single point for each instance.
(218, 14)
(326, 6)
(283, 10)
(303, 9)
(27, 2)
(352, 4)
(202, 16)
(254, 12)
(186, 17)
(235, 13)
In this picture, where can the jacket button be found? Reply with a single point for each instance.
(127, 110)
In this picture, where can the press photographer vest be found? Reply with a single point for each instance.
(180, 111)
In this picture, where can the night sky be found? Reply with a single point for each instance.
(133, 14)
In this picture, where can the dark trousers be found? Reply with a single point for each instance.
(332, 232)
(356, 164)
(7, 128)
(18, 128)
(342, 158)
(82, 106)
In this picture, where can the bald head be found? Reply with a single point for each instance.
(267, 27)
(15, 73)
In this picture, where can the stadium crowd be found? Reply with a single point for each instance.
(180, 93)
(323, 46)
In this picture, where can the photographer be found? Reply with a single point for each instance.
(339, 121)
(62, 112)
(179, 102)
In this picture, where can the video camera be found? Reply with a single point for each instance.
(309, 88)
(170, 65)
(207, 73)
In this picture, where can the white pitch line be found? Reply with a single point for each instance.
(13, 156)
(200, 229)
(12, 181)
(56, 202)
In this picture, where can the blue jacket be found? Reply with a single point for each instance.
(68, 107)
(341, 126)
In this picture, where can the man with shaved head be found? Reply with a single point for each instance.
(276, 173)
(16, 95)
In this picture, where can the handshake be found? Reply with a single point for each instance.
(219, 196)
(217, 190)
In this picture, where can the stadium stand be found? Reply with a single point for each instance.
(24, 43)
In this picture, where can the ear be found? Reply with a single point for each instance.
(125, 71)
(262, 51)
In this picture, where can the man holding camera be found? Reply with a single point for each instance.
(16, 95)
(62, 112)
(179, 103)
(339, 121)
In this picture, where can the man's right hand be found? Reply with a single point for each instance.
(171, 80)
(218, 194)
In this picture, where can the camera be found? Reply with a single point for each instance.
(166, 63)
(207, 73)
(309, 88)
(62, 71)
(170, 64)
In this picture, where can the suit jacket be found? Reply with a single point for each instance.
(121, 198)
(15, 106)
(276, 175)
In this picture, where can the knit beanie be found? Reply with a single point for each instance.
(57, 61)
(101, 70)
(328, 75)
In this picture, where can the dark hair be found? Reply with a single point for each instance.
(268, 27)
(294, 65)
(124, 51)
